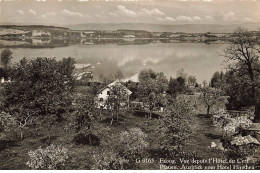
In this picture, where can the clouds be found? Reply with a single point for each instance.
(184, 18)
(180, 18)
(20, 12)
(170, 19)
(69, 13)
(50, 14)
(247, 19)
(32, 12)
(143, 11)
(124, 11)
(230, 16)
(154, 11)
(209, 17)
(196, 18)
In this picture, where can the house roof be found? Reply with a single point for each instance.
(244, 140)
(117, 82)
(254, 127)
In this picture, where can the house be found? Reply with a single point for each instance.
(103, 95)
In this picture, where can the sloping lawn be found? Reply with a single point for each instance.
(14, 155)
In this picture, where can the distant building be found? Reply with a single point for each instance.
(41, 33)
(103, 94)
(84, 75)
(129, 36)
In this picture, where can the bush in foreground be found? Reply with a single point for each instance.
(109, 160)
(133, 141)
(52, 157)
(8, 125)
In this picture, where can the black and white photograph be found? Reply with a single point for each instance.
(130, 85)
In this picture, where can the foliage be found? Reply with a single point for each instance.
(40, 86)
(84, 106)
(176, 86)
(151, 88)
(133, 141)
(133, 87)
(181, 73)
(6, 56)
(52, 157)
(117, 99)
(235, 152)
(84, 120)
(192, 81)
(8, 124)
(108, 160)
(175, 126)
(218, 80)
(240, 95)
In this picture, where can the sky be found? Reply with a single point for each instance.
(68, 12)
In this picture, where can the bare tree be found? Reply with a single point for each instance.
(243, 57)
(210, 97)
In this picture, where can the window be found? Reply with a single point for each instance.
(101, 99)
(108, 92)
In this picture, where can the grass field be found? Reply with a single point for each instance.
(14, 155)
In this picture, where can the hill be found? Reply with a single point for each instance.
(188, 28)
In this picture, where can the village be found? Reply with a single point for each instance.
(51, 36)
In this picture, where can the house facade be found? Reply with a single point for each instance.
(103, 95)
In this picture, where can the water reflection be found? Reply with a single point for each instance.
(198, 59)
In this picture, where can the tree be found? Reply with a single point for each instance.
(181, 73)
(175, 126)
(132, 86)
(217, 80)
(117, 99)
(204, 83)
(151, 88)
(192, 80)
(40, 86)
(176, 86)
(240, 95)
(210, 96)
(6, 56)
(85, 107)
(162, 82)
(243, 58)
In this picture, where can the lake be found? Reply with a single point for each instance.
(198, 59)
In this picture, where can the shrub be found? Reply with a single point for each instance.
(109, 160)
(133, 141)
(7, 125)
(86, 139)
(52, 157)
